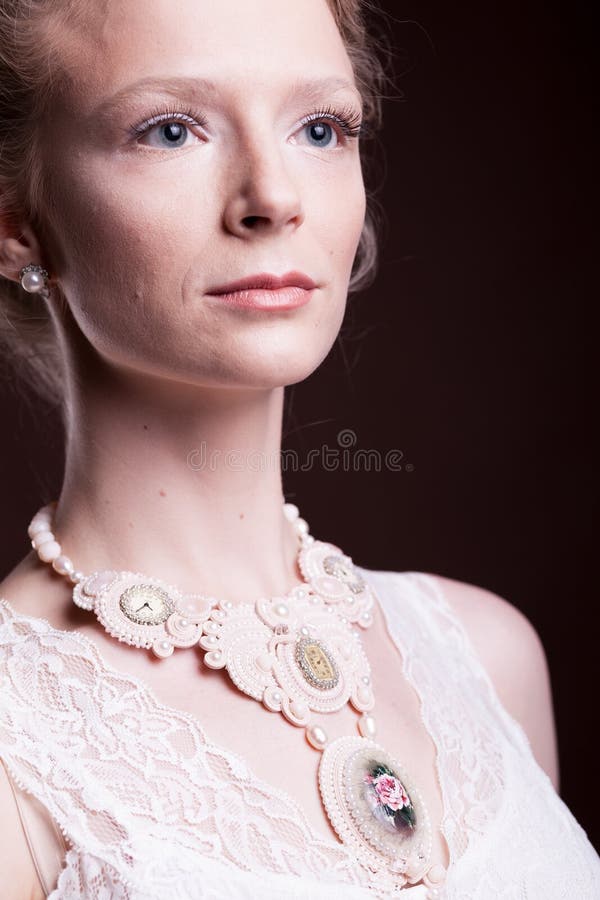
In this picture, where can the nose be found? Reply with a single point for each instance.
(263, 197)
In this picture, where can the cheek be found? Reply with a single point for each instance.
(340, 215)
(127, 246)
(115, 234)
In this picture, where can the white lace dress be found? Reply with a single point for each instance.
(135, 786)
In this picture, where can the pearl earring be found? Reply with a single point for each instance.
(33, 278)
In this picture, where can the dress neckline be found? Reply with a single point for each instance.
(146, 691)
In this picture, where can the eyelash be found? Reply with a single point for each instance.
(347, 118)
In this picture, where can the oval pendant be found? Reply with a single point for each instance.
(375, 808)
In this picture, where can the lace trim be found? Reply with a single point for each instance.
(504, 822)
(281, 830)
(469, 764)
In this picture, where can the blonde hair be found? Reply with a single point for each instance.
(29, 81)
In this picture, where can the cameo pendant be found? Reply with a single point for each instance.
(375, 808)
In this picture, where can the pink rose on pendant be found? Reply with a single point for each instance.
(390, 792)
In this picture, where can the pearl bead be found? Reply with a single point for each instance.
(36, 526)
(44, 515)
(33, 282)
(276, 696)
(301, 526)
(63, 565)
(184, 623)
(49, 551)
(291, 511)
(298, 709)
(363, 694)
(264, 662)
(43, 537)
(165, 645)
(76, 576)
(316, 736)
(367, 726)
(281, 609)
(304, 631)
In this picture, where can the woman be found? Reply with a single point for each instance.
(183, 211)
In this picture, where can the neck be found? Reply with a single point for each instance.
(180, 483)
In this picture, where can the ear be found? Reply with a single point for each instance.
(18, 247)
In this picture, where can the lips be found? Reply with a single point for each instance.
(266, 281)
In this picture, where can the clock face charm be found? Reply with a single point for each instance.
(340, 567)
(146, 604)
(316, 662)
(332, 575)
(142, 611)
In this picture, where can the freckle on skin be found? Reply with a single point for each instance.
(145, 428)
(241, 515)
(162, 493)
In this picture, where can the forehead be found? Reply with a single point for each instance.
(243, 46)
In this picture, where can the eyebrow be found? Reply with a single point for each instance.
(310, 88)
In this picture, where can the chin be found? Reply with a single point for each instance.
(273, 356)
(268, 372)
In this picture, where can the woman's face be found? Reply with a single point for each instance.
(163, 186)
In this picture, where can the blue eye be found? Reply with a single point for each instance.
(321, 133)
(320, 125)
(174, 134)
(170, 129)
(166, 130)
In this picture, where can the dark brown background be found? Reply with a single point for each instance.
(469, 354)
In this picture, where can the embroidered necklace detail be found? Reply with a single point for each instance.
(297, 654)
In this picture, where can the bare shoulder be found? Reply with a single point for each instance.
(513, 655)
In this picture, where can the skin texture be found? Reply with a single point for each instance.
(155, 369)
